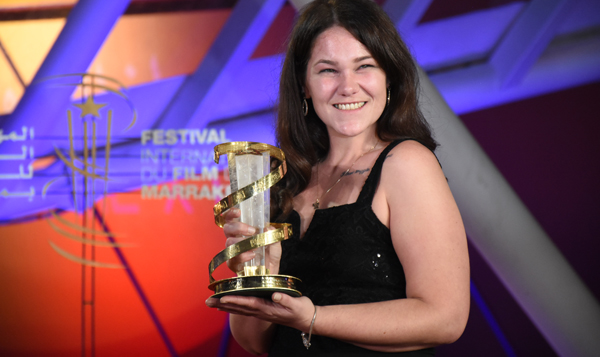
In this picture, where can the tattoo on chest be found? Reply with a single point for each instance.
(360, 172)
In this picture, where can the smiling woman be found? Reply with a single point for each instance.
(346, 85)
(378, 240)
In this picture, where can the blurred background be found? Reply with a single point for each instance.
(109, 112)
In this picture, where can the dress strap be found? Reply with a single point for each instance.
(368, 191)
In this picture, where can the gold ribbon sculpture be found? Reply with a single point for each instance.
(251, 282)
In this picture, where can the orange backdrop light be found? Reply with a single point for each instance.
(172, 242)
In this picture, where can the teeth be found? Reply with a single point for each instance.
(350, 106)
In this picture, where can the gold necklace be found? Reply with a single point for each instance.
(316, 204)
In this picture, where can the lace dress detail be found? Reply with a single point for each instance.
(345, 257)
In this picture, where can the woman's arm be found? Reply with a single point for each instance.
(251, 333)
(430, 241)
(413, 198)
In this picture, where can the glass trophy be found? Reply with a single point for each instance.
(250, 180)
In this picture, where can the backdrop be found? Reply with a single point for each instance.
(107, 181)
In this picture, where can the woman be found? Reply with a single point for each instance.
(378, 240)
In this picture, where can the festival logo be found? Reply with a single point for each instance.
(86, 160)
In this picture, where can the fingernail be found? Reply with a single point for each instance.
(276, 297)
(251, 230)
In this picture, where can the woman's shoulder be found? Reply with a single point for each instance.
(410, 154)
(409, 165)
(410, 174)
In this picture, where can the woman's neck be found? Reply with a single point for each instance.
(344, 151)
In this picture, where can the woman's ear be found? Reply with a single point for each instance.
(305, 92)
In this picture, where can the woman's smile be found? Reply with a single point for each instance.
(347, 87)
(350, 106)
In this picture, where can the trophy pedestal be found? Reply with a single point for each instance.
(257, 285)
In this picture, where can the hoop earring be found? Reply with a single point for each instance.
(388, 97)
(305, 107)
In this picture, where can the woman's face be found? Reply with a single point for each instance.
(347, 86)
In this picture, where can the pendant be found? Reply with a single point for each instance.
(316, 205)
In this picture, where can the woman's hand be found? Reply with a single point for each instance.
(236, 231)
(282, 309)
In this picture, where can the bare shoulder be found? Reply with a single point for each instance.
(410, 176)
(410, 159)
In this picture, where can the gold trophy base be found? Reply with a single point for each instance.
(258, 285)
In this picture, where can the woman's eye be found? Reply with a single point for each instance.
(327, 70)
(366, 66)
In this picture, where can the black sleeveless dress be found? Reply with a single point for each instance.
(345, 257)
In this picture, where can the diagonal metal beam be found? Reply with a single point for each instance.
(511, 240)
(255, 89)
(299, 4)
(87, 26)
(406, 13)
(561, 66)
(244, 29)
(527, 39)
(459, 40)
(12, 66)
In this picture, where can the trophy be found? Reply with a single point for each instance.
(250, 180)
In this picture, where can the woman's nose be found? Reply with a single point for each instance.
(348, 84)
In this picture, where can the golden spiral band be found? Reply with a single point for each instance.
(259, 186)
(258, 240)
(247, 147)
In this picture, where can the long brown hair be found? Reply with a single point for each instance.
(304, 140)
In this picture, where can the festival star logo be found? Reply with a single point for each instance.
(90, 107)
